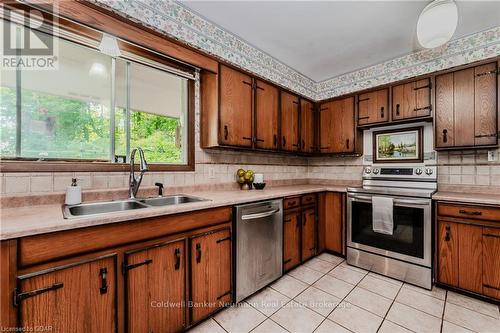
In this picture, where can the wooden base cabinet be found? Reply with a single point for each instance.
(331, 223)
(80, 297)
(291, 240)
(210, 273)
(469, 248)
(156, 288)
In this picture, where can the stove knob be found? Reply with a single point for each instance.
(428, 171)
(418, 171)
(368, 171)
(375, 171)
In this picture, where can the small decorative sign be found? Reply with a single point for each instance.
(401, 145)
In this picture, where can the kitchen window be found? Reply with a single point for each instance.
(96, 108)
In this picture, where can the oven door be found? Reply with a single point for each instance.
(411, 239)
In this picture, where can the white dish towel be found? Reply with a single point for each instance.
(383, 221)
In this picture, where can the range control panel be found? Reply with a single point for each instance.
(417, 172)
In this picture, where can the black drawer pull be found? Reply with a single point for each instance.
(259, 140)
(177, 255)
(474, 213)
(275, 140)
(328, 147)
(423, 87)
(491, 235)
(226, 132)
(397, 109)
(198, 253)
(248, 83)
(132, 266)
(246, 138)
(284, 141)
(22, 296)
(445, 135)
(382, 112)
(103, 273)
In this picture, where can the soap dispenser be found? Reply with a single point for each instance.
(73, 193)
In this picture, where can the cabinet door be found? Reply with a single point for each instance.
(291, 240)
(156, 285)
(373, 107)
(331, 222)
(210, 273)
(308, 233)
(448, 253)
(463, 99)
(78, 298)
(411, 100)
(491, 262)
(337, 130)
(289, 122)
(485, 104)
(235, 108)
(444, 121)
(307, 126)
(266, 114)
(470, 260)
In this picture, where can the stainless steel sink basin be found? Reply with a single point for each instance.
(170, 200)
(95, 208)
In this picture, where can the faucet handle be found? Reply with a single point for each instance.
(160, 188)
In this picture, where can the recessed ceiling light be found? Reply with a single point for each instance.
(437, 23)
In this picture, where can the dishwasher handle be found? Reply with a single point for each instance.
(260, 215)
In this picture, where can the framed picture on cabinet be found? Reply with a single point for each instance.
(398, 146)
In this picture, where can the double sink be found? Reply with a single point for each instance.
(94, 208)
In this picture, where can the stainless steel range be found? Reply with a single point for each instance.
(389, 227)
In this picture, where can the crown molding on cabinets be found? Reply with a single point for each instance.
(174, 20)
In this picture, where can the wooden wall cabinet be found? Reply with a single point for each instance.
(412, 100)
(69, 298)
(338, 134)
(289, 122)
(236, 103)
(266, 116)
(468, 248)
(373, 107)
(467, 108)
(307, 127)
(299, 230)
(331, 222)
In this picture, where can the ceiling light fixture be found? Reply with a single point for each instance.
(109, 46)
(437, 23)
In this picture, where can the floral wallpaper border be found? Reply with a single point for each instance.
(174, 20)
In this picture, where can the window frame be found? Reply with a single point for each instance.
(89, 37)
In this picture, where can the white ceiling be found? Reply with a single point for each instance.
(324, 39)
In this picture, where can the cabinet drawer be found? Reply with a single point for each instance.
(308, 199)
(469, 212)
(291, 202)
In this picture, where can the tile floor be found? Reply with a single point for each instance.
(326, 295)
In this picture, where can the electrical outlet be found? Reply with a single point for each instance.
(211, 173)
(492, 155)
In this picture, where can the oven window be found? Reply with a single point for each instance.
(407, 237)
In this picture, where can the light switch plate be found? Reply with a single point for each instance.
(492, 155)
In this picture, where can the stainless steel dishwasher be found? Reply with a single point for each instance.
(259, 246)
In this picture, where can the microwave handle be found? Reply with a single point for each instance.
(395, 201)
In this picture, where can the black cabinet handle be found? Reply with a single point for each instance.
(284, 141)
(445, 135)
(382, 112)
(258, 140)
(198, 253)
(246, 138)
(465, 212)
(447, 235)
(226, 132)
(275, 140)
(132, 266)
(347, 143)
(397, 109)
(103, 273)
(177, 254)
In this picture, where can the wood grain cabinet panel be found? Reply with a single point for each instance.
(210, 273)
(266, 115)
(156, 287)
(308, 233)
(235, 108)
(331, 224)
(289, 122)
(467, 107)
(74, 298)
(373, 107)
(412, 100)
(470, 262)
(337, 130)
(491, 262)
(291, 239)
(307, 125)
(448, 254)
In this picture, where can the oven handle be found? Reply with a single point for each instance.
(368, 198)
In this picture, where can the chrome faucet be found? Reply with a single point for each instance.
(134, 182)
